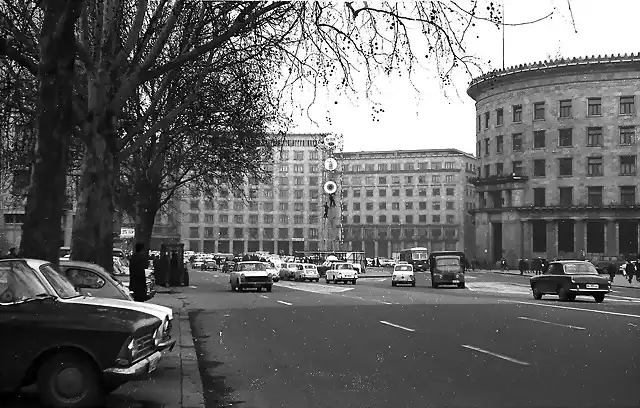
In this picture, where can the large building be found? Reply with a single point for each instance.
(391, 200)
(557, 159)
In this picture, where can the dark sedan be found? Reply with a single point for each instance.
(75, 348)
(569, 279)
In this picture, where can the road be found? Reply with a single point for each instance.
(371, 345)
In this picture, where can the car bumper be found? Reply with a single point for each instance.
(310, 276)
(402, 280)
(589, 292)
(254, 284)
(144, 366)
(448, 280)
(167, 345)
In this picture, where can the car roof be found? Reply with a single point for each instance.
(33, 263)
(309, 264)
(68, 262)
(250, 262)
(570, 261)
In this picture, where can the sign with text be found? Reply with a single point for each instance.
(127, 232)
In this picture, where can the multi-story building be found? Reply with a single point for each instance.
(391, 200)
(557, 159)
(282, 217)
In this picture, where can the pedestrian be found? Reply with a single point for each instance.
(611, 270)
(138, 282)
(630, 269)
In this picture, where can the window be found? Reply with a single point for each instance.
(382, 206)
(356, 206)
(499, 169)
(627, 135)
(368, 193)
(195, 205)
(517, 168)
(382, 180)
(565, 137)
(395, 219)
(267, 218)
(238, 219)
(298, 207)
(627, 105)
(565, 167)
(479, 123)
(223, 218)
(478, 148)
(499, 143)
(357, 181)
(283, 232)
(369, 168)
(594, 107)
(408, 219)
(313, 207)
(487, 170)
(595, 166)
(382, 192)
(422, 192)
(565, 108)
(422, 219)
(566, 196)
(313, 194)
(627, 165)
(408, 179)
(238, 232)
(408, 166)
(422, 205)
(369, 206)
(450, 191)
(408, 192)
(268, 193)
(423, 166)
(298, 219)
(395, 166)
(298, 155)
(357, 193)
(194, 232)
(594, 137)
(298, 194)
(313, 155)
(408, 205)
(298, 168)
(499, 117)
(487, 118)
(224, 232)
(253, 219)
(194, 218)
(209, 218)
(539, 235)
(450, 205)
(594, 196)
(435, 219)
(517, 141)
(517, 113)
(298, 181)
(395, 206)
(368, 180)
(395, 179)
(382, 218)
(539, 168)
(435, 205)
(313, 181)
(284, 168)
(539, 197)
(283, 219)
(284, 193)
(395, 192)
(486, 146)
(451, 219)
(628, 195)
(448, 178)
(435, 192)
(538, 111)
(539, 141)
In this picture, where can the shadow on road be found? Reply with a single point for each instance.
(29, 399)
(216, 392)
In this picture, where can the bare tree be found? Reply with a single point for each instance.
(124, 44)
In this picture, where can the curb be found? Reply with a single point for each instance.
(613, 285)
(191, 392)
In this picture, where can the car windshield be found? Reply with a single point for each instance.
(345, 266)
(447, 262)
(580, 269)
(252, 267)
(60, 284)
(309, 267)
(418, 256)
(18, 283)
(403, 268)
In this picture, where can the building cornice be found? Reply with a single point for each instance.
(514, 73)
(385, 154)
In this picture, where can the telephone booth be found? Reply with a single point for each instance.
(170, 269)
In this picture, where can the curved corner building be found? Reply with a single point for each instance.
(557, 148)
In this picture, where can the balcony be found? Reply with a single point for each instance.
(499, 179)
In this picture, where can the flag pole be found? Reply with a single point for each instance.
(503, 26)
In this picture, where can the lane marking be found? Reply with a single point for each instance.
(499, 287)
(624, 297)
(397, 326)
(370, 300)
(574, 308)
(513, 360)
(552, 323)
(264, 296)
(285, 303)
(322, 289)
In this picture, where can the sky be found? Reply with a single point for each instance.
(427, 118)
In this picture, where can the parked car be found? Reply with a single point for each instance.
(307, 272)
(569, 279)
(251, 274)
(288, 270)
(275, 273)
(384, 262)
(228, 267)
(403, 273)
(59, 336)
(197, 263)
(210, 265)
(341, 272)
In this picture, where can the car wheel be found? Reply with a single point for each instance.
(537, 295)
(461, 285)
(434, 285)
(599, 298)
(269, 288)
(413, 284)
(354, 281)
(70, 380)
(326, 280)
(563, 294)
(317, 280)
(394, 284)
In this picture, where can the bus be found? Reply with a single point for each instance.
(418, 257)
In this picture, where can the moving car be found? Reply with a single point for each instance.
(288, 270)
(250, 274)
(75, 348)
(197, 263)
(275, 273)
(447, 270)
(341, 272)
(403, 273)
(307, 272)
(210, 265)
(569, 279)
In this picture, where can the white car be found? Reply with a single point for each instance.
(250, 274)
(271, 268)
(197, 263)
(403, 273)
(308, 272)
(341, 272)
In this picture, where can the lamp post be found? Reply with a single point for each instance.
(332, 188)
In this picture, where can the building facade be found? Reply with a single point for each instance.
(557, 159)
(282, 217)
(392, 200)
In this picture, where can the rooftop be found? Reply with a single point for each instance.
(396, 153)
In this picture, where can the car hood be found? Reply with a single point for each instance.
(253, 273)
(157, 311)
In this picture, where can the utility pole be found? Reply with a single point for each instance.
(503, 26)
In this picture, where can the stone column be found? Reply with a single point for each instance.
(579, 236)
(215, 246)
(389, 248)
(375, 248)
(552, 239)
(246, 245)
(611, 237)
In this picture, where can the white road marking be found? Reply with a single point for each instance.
(397, 326)
(285, 303)
(265, 297)
(369, 300)
(498, 287)
(313, 287)
(624, 297)
(552, 323)
(471, 277)
(513, 360)
(574, 308)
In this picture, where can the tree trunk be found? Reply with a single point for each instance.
(92, 239)
(42, 230)
(147, 206)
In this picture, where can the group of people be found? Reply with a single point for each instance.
(631, 269)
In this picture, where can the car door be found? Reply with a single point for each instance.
(552, 277)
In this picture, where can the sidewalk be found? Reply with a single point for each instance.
(176, 383)
(620, 281)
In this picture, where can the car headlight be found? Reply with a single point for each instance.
(157, 336)
(242, 277)
(573, 280)
(165, 326)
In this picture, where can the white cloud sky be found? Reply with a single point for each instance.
(429, 120)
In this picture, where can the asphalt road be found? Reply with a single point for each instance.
(371, 345)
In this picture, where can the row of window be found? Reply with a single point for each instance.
(384, 180)
(566, 197)
(433, 232)
(194, 218)
(626, 106)
(408, 205)
(298, 155)
(224, 232)
(371, 168)
(594, 137)
(595, 167)
(435, 192)
(395, 219)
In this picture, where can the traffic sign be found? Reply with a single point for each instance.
(330, 141)
(330, 164)
(330, 187)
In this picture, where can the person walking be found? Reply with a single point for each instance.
(138, 282)
(611, 270)
(630, 269)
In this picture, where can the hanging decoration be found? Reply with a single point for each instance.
(332, 182)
